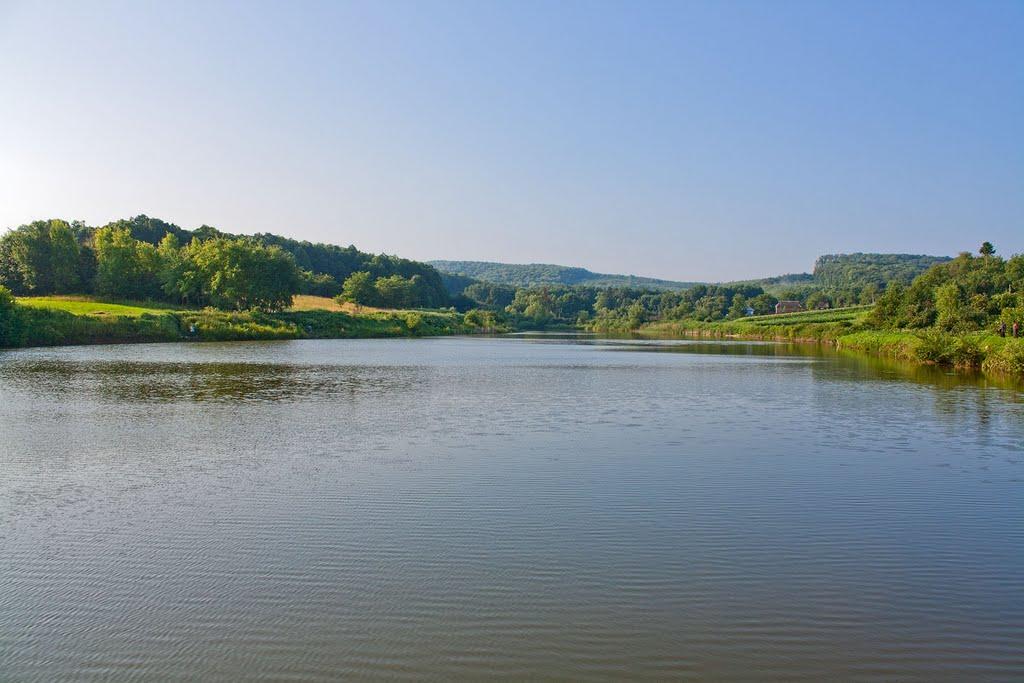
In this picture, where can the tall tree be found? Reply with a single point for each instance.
(358, 289)
(125, 267)
(241, 274)
(64, 258)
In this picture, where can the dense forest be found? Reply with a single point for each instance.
(148, 259)
(961, 295)
(842, 271)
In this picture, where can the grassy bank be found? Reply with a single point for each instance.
(815, 326)
(53, 321)
(848, 329)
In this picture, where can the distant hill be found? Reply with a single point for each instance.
(787, 280)
(533, 274)
(831, 271)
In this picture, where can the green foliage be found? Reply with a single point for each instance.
(489, 295)
(395, 291)
(1006, 357)
(243, 274)
(64, 258)
(621, 309)
(43, 322)
(150, 230)
(832, 315)
(51, 327)
(964, 294)
(318, 284)
(146, 258)
(11, 324)
(413, 322)
(738, 308)
(486, 320)
(173, 271)
(358, 289)
(40, 258)
(341, 262)
(125, 267)
(82, 305)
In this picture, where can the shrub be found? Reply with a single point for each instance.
(1007, 359)
(936, 347)
(966, 352)
(11, 321)
(413, 322)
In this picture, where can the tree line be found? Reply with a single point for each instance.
(148, 259)
(965, 294)
(617, 307)
(955, 294)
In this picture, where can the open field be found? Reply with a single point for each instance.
(832, 315)
(80, 304)
(819, 326)
(307, 302)
(87, 305)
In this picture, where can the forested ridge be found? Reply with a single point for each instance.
(145, 258)
(831, 271)
(534, 274)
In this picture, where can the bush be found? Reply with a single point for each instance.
(936, 347)
(413, 322)
(11, 321)
(967, 352)
(1007, 359)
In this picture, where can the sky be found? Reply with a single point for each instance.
(683, 140)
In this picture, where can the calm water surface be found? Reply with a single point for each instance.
(514, 507)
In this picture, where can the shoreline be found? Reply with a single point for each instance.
(979, 351)
(45, 327)
(49, 327)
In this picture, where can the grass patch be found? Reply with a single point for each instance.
(834, 315)
(85, 305)
(308, 302)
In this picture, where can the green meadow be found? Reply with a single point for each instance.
(61, 320)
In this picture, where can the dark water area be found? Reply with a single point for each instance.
(531, 507)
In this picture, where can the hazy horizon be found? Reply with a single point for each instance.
(697, 141)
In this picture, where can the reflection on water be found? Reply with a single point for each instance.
(525, 507)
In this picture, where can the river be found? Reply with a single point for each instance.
(538, 507)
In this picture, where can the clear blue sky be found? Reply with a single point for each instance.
(709, 140)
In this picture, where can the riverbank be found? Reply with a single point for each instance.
(982, 351)
(57, 322)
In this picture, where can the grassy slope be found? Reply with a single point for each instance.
(87, 305)
(308, 302)
(51, 321)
